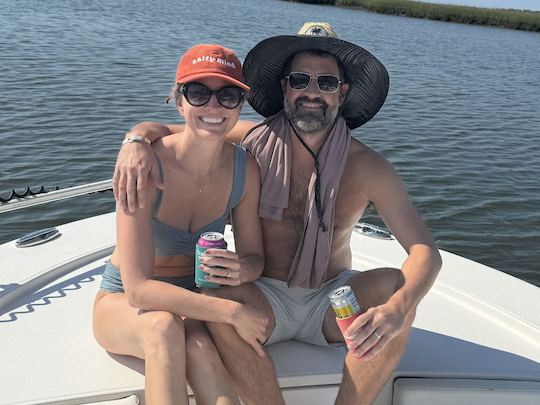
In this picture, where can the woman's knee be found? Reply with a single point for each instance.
(163, 330)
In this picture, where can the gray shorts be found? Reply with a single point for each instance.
(299, 312)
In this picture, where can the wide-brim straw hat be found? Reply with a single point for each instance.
(367, 77)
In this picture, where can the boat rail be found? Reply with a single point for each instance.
(56, 195)
(44, 197)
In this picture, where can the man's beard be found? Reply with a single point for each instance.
(309, 121)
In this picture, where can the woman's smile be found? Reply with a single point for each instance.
(212, 120)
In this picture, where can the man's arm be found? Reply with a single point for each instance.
(238, 132)
(387, 192)
(136, 163)
(155, 130)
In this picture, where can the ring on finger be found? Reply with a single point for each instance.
(377, 336)
(227, 275)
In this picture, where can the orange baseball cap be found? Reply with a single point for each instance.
(210, 60)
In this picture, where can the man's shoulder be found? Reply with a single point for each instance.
(362, 157)
(240, 131)
(367, 170)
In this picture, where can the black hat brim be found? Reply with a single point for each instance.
(367, 77)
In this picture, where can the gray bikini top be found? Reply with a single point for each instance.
(171, 241)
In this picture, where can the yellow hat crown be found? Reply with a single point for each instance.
(318, 29)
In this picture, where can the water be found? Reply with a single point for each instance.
(461, 123)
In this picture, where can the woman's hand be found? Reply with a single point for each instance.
(136, 165)
(372, 330)
(251, 325)
(232, 270)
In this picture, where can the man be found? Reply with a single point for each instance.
(316, 181)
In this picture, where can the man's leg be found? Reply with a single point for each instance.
(254, 377)
(363, 380)
(207, 376)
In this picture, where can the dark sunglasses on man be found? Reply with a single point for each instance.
(198, 94)
(301, 80)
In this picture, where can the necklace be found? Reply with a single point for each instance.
(201, 187)
(318, 204)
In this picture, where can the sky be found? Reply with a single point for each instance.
(517, 4)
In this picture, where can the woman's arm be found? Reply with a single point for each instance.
(246, 265)
(136, 251)
(136, 260)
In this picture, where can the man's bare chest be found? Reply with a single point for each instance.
(298, 195)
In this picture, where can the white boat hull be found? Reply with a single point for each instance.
(476, 337)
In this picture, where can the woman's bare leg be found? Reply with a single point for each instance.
(155, 336)
(207, 376)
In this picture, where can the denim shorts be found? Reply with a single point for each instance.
(112, 281)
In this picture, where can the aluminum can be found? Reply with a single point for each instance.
(345, 306)
(344, 302)
(208, 240)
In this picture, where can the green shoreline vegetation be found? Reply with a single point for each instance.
(507, 18)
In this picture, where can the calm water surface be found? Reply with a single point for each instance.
(461, 123)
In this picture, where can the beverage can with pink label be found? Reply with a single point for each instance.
(208, 240)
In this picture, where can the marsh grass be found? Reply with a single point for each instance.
(514, 19)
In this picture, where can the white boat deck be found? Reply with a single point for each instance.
(476, 335)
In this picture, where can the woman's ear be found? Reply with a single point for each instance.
(180, 107)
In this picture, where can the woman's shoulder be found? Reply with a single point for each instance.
(232, 146)
(243, 156)
(235, 152)
(165, 148)
(168, 142)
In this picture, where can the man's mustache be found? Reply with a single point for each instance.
(310, 100)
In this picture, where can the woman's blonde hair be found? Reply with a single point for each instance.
(175, 93)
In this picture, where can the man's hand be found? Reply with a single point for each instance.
(372, 330)
(135, 166)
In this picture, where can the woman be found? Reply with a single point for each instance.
(148, 305)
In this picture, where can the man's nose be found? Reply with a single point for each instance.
(312, 86)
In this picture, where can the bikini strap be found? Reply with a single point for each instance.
(239, 177)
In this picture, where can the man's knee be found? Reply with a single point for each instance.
(389, 280)
(375, 287)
